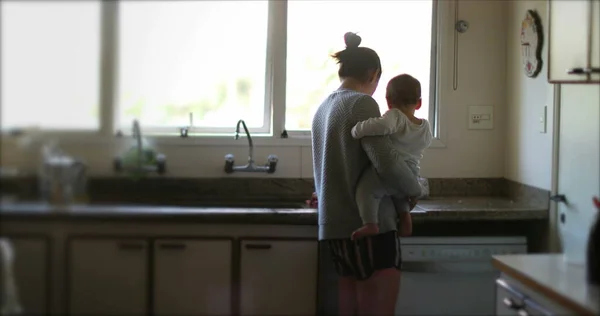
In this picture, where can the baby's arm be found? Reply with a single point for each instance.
(387, 124)
(384, 155)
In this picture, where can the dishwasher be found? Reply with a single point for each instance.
(452, 275)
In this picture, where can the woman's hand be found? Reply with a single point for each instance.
(313, 202)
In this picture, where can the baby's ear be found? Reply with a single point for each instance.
(390, 106)
(419, 104)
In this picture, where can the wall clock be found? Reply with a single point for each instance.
(532, 40)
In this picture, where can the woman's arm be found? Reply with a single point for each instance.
(383, 155)
(387, 124)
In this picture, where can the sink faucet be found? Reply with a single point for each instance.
(250, 144)
(250, 166)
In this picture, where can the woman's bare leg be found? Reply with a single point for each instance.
(348, 302)
(378, 294)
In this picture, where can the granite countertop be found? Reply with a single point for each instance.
(551, 276)
(435, 209)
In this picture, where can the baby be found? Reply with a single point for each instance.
(410, 135)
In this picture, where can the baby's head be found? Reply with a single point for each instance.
(403, 92)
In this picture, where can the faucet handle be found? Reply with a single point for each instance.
(229, 161)
(272, 163)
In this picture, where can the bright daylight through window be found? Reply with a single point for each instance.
(198, 64)
(399, 31)
(206, 58)
(50, 64)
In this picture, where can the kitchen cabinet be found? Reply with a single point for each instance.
(574, 41)
(31, 273)
(192, 277)
(278, 277)
(107, 276)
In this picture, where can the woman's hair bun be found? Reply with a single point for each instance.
(352, 40)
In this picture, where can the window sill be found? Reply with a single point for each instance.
(294, 140)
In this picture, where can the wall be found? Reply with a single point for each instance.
(467, 153)
(528, 152)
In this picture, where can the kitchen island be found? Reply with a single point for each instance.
(544, 284)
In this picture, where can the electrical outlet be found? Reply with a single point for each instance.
(481, 117)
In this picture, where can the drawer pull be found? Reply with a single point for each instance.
(258, 246)
(522, 312)
(172, 246)
(512, 304)
(583, 71)
(130, 246)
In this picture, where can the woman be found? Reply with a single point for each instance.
(369, 268)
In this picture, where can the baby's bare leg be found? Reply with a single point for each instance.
(403, 207)
(369, 192)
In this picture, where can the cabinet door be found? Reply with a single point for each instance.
(278, 277)
(31, 273)
(568, 46)
(192, 277)
(578, 168)
(108, 277)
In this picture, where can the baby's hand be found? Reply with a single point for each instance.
(412, 202)
(313, 202)
(365, 230)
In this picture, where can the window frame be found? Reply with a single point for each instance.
(275, 91)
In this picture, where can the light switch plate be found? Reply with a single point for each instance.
(481, 117)
(542, 119)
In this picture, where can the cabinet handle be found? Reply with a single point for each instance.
(258, 246)
(172, 246)
(559, 198)
(511, 304)
(130, 246)
(583, 71)
(522, 312)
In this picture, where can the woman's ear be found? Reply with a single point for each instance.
(374, 76)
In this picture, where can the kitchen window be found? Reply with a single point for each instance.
(50, 57)
(202, 65)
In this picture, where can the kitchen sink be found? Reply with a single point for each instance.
(247, 204)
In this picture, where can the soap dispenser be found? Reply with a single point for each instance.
(593, 250)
